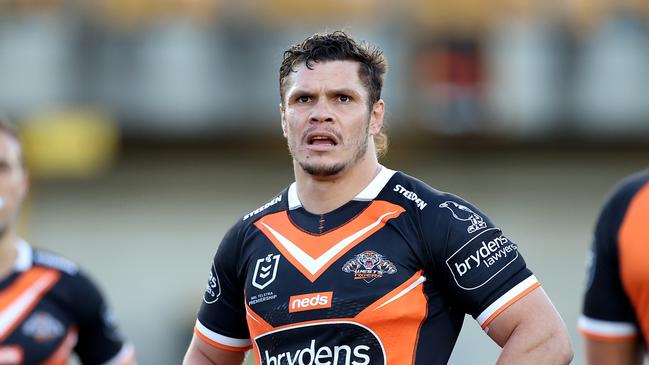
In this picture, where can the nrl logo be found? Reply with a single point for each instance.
(463, 213)
(369, 266)
(265, 271)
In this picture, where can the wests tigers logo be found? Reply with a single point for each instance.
(369, 266)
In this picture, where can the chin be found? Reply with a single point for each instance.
(323, 170)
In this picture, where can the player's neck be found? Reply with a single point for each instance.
(8, 252)
(319, 196)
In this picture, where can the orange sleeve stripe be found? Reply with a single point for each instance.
(599, 337)
(509, 303)
(220, 345)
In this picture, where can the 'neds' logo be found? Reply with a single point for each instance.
(480, 259)
(306, 302)
(331, 343)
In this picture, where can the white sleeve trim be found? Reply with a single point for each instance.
(228, 341)
(125, 353)
(606, 328)
(506, 298)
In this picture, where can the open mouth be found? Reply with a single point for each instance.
(321, 140)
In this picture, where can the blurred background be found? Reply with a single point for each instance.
(151, 126)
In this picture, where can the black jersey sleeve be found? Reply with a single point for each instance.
(607, 310)
(482, 270)
(222, 316)
(99, 340)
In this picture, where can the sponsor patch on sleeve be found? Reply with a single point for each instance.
(481, 259)
(212, 288)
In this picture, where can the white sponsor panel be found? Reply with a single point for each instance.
(328, 343)
(481, 259)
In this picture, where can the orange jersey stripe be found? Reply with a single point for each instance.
(405, 308)
(391, 295)
(313, 254)
(19, 298)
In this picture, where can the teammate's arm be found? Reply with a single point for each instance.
(600, 352)
(202, 353)
(530, 331)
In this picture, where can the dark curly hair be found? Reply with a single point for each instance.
(339, 46)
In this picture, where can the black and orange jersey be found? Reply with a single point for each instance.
(385, 279)
(616, 302)
(49, 309)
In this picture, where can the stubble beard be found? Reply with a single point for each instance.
(322, 170)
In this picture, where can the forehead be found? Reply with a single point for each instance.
(326, 75)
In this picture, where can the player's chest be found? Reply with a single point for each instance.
(301, 277)
(35, 332)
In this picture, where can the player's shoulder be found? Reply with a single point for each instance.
(276, 204)
(51, 260)
(411, 191)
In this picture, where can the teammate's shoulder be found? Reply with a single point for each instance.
(631, 184)
(274, 205)
(626, 190)
(54, 261)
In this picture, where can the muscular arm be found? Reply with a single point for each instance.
(613, 353)
(531, 331)
(202, 353)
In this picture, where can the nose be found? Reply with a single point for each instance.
(321, 112)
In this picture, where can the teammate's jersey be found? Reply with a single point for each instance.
(385, 279)
(616, 304)
(48, 309)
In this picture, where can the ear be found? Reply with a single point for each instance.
(376, 117)
(282, 114)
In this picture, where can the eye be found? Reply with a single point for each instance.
(5, 167)
(344, 98)
(303, 99)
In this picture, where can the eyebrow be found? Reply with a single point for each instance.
(340, 91)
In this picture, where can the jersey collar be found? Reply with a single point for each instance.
(370, 192)
(24, 257)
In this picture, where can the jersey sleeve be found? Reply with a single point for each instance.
(99, 341)
(607, 311)
(222, 317)
(482, 270)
